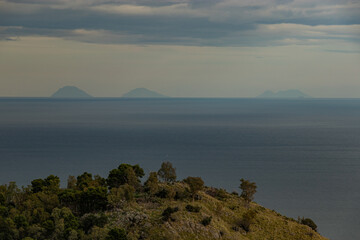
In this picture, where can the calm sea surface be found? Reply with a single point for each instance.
(304, 155)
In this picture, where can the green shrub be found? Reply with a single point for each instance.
(152, 184)
(309, 222)
(182, 194)
(246, 220)
(166, 192)
(195, 183)
(90, 220)
(2, 199)
(93, 199)
(116, 234)
(191, 208)
(124, 193)
(166, 215)
(234, 193)
(219, 194)
(4, 211)
(206, 221)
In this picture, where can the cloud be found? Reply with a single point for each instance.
(184, 22)
(181, 9)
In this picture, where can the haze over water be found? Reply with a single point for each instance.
(304, 155)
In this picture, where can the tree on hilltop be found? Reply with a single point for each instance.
(125, 174)
(248, 190)
(195, 183)
(152, 184)
(167, 172)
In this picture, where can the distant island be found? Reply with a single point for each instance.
(143, 93)
(292, 93)
(122, 207)
(70, 92)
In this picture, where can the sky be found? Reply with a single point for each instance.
(180, 48)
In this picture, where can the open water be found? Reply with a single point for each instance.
(303, 154)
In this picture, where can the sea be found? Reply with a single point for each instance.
(303, 154)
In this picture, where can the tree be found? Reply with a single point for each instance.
(52, 183)
(118, 196)
(116, 234)
(98, 181)
(7, 228)
(138, 170)
(90, 220)
(93, 199)
(195, 183)
(125, 173)
(152, 184)
(49, 184)
(248, 190)
(131, 178)
(167, 172)
(71, 182)
(70, 198)
(84, 181)
(37, 185)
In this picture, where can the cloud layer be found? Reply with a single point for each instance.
(184, 22)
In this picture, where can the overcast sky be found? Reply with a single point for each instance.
(181, 48)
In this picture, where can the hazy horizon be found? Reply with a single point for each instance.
(180, 48)
(194, 97)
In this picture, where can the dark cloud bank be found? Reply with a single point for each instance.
(183, 22)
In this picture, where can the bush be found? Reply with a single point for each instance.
(247, 220)
(309, 222)
(116, 234)
(234, 193)
(206, 221)
(3, 211)
(152, 184)
(118, 196)
(166, 215)
(167, 192)
(219, 194)
(195, 183)
(182, 194)
(191, 208)
(93, 199)
(90, 220)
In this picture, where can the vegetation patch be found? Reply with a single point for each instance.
(121, 207)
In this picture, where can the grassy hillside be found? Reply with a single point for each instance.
(120, 207)
(143, 219)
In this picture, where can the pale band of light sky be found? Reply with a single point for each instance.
(181, 48)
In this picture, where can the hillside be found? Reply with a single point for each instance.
(120, 207)
(226, 215)
(70, 92)
(143, 93)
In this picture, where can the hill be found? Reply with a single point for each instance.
(70, 92)
(292, 93)
(120, 207)
(143, 93)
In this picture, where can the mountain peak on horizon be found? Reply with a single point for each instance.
(291, 93)
(70, 92)
(143, 93)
